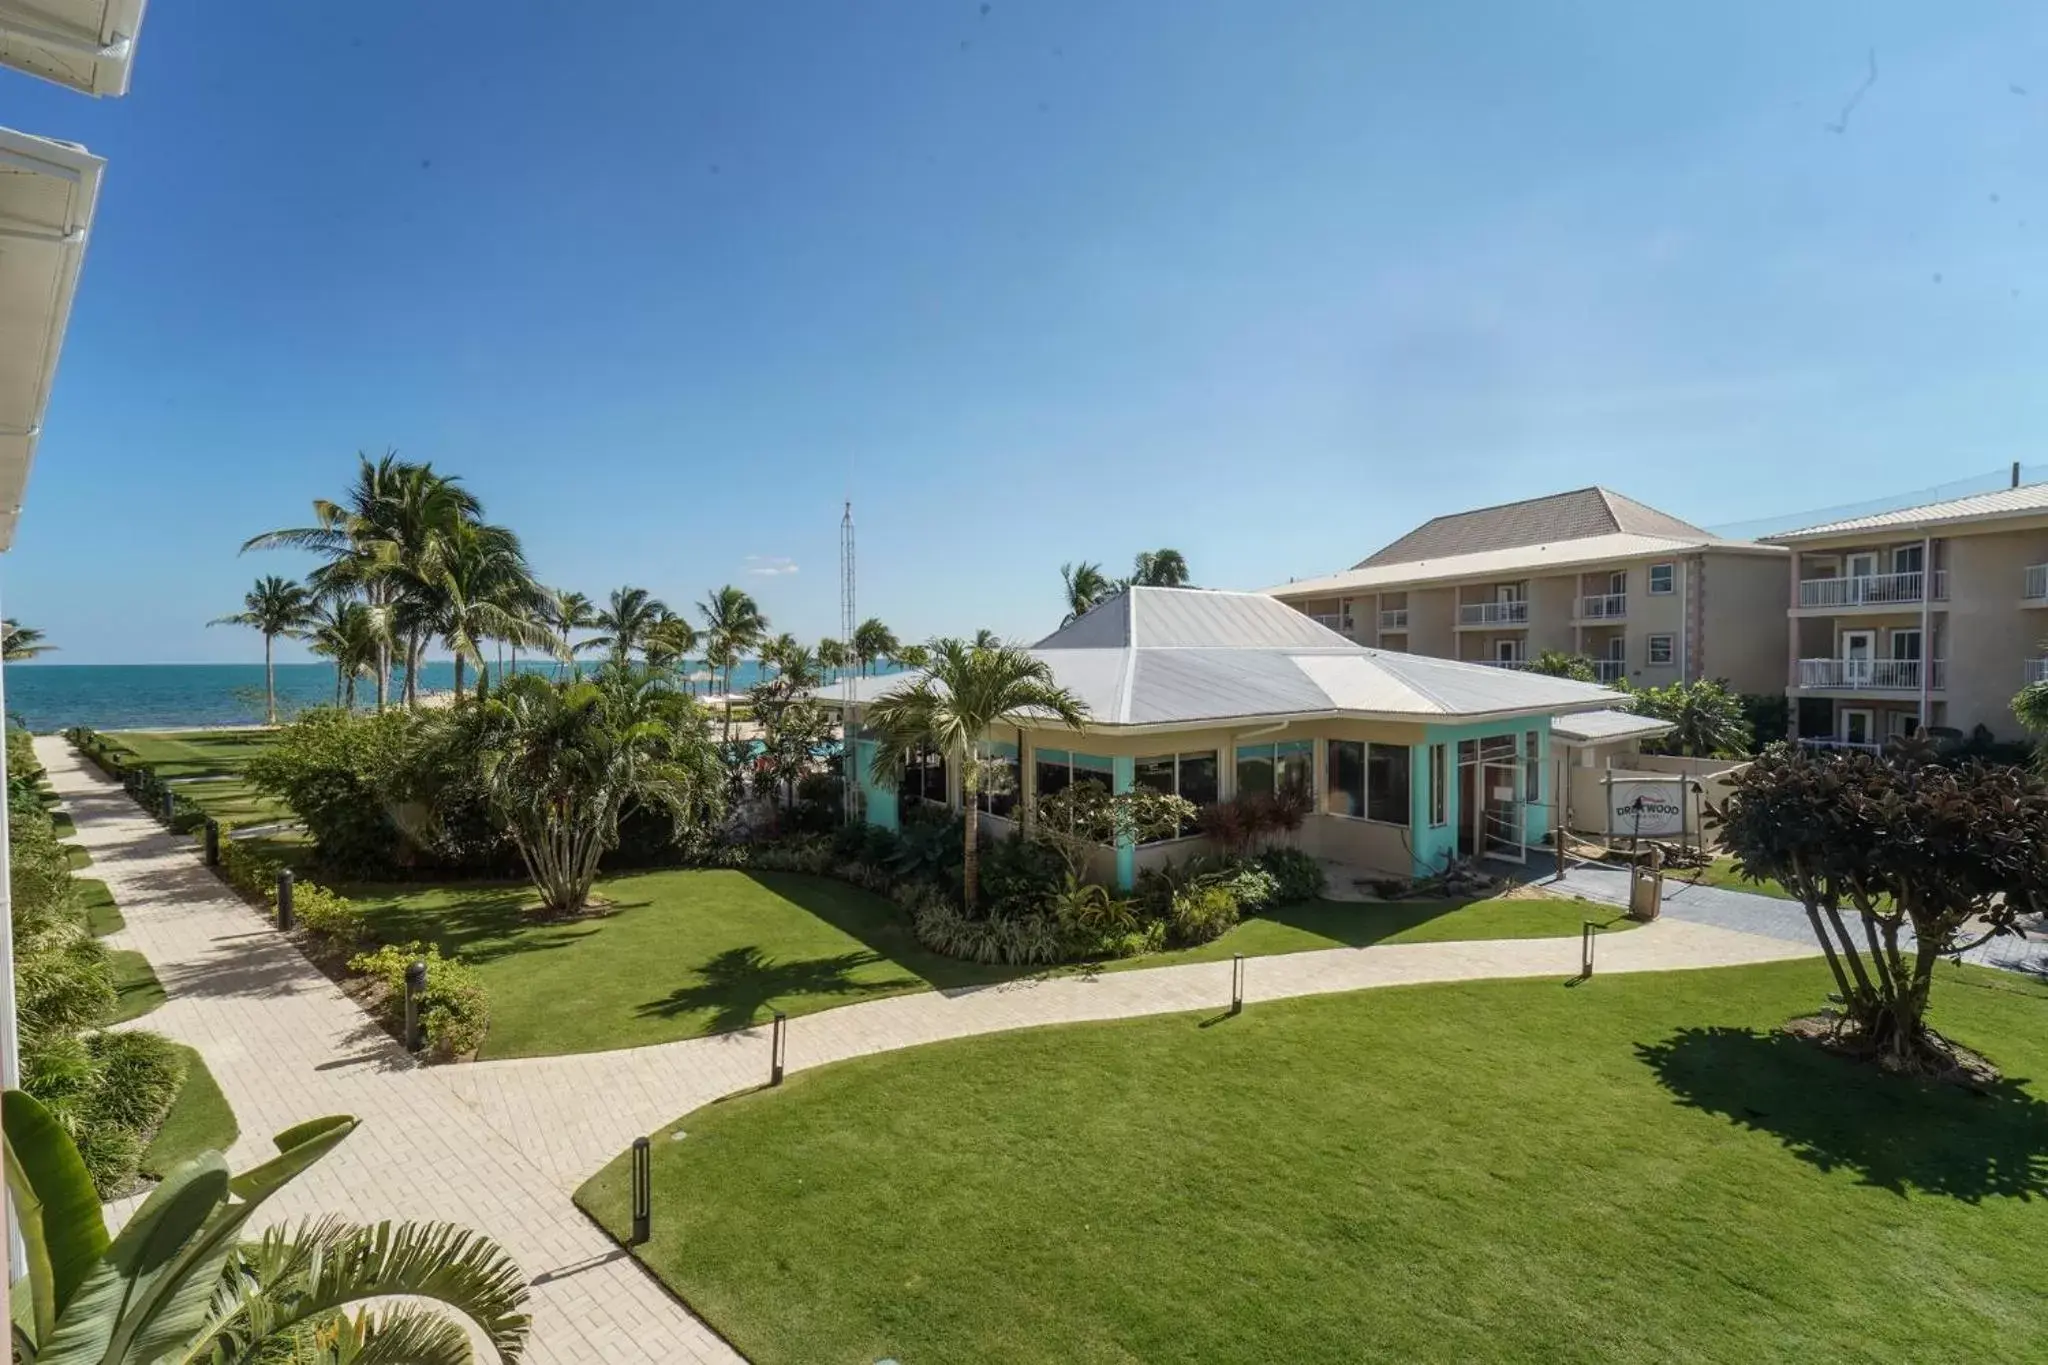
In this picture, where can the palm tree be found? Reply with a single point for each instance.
(349, 633)
(1709, 717)
(872, 642)
(913, 656)
(633, 613)
(781, 647)
(184, 1281)
(1085, 586)
(734, 626)
(962, 694)
(1556, 663)
(1159, 569)
(483, 590)
(670, 641)
(833, 655)
(986, 639)
(570, 613)
(559, 761)
(275, 606)
(18, 642)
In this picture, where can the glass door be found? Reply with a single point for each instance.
(1859, 647)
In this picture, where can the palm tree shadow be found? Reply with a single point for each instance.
(1834, 1113)
(740, 985)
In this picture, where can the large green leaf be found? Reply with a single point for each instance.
(58, 1209)
(298, 1147)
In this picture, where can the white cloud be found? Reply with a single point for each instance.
(769, 566)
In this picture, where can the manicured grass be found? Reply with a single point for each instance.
(206, 767)
(1639, 1168)
(199, 1119)
(136, 989)
(63, 825)
(1338, 924)
(102, 915)
(682, 953)
(77, 856)
(1721, 872)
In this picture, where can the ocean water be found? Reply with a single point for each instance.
(47, 697)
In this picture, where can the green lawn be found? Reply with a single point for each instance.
(136, 989)
(63, 825)
(1721, 872)
(102, 915)
(1339, 924)
(206, 766)
(684, 952)
(1638, 1168)
(199, 1119)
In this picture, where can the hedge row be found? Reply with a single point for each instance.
(140, 780)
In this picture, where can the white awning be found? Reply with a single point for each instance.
(1598, 727)
(47, 191)
(88, 45)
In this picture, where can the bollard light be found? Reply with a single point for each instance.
(778, 1047)
(415, 987)
(286, 915)
(169, 806)
(1587, 931)
(1237, 984)
(643, 1191)
(212, 842)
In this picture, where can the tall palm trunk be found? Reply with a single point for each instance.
(412, 669)
(458, 677)
(377, 603)
(970, 850)
(269, 680)
(337, 680)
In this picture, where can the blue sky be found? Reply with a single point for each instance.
(1268, 282)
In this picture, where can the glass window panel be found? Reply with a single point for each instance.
(1198, 778)
(1053, 776)
(1387, 784)
(1255, 771)
(1154, 773)
(1344, 792)
(1468, 751)
(1661, 578)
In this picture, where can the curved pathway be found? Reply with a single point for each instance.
(499, 1145)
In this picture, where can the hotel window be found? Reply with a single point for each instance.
(1263, 769)
(1056, 770)
(1662, 579)
(1189, 776)
(1368, 780)
(1659, 647)
(924, 776)
(998, 795)
(1439, 785)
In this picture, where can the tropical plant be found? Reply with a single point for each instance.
(1159, 569)
(2031, 707)
(1085, 816)
(872, 643)
(626, 622)
(18, 642)
(833, 655)
(1085, 585)
(1708, 716)
(275, 606)
(480, 588)
(559, 761)
(914, 656)
(1555, 663)
(670, 641)
(182, 1282)
(733, 628)
(793, 726)
(1951, 855)
(570, 613)
(348, 632)
(962, 694)
(986, 639)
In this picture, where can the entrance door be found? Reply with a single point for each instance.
(1501, 814)
(1859, 648)
(1507, 651)
(1859, 569)
(1901, 724)
(1859, 726)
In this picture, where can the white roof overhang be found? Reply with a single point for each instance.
(86, 45)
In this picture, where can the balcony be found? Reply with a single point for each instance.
(2036, 670)
(1337, 621)
(1395, 618)
(1847, 745)
(1870, 675)
(1610, 670)
(1612, 606)
(2034, 585)
(1871, 590)
(1493, 613)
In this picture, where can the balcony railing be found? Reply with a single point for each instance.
(1871, 590)
(1870, 675)
(2034, 586)
(1853, 745)
(1394, 618)
(1610, 670)
(2036, 670)
(1337, 621)
(1494, 613)
(1610, 606)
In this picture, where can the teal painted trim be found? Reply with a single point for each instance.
(1430, 848)
(1535, 818)
(1121, 774)
(879, 801)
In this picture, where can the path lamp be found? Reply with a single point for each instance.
(1237, 984)
(1588, 931)
(212, 842)
(643, 1191)
(170, 807)
(286, 918)
(778, 1047)
(415, 987)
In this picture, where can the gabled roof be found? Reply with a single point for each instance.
(88, 45)
(2027, 500)
(1519, 561)
(1164, 657)
(1577, 515)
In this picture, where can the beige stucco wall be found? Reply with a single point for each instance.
(1432, 620)
(1743, 598)
(1990, 634)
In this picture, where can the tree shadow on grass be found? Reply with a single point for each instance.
(482, 923)
(1832, 1112)
(882, 926)
(740, 984)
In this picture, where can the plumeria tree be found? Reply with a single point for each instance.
(961, 695)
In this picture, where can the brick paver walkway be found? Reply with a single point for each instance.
(499, 1145)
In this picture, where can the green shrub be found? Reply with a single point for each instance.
(1199, 914)
(455, 1012)
(1019, 874)
(1026, 941)
(139, 1078)
(1297, 875)
(330, 913)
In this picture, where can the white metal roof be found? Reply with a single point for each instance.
(47, 192)
(1584, 552)
(1164, 657)
(88, 45)
(2027, 500)
(1593, 727)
